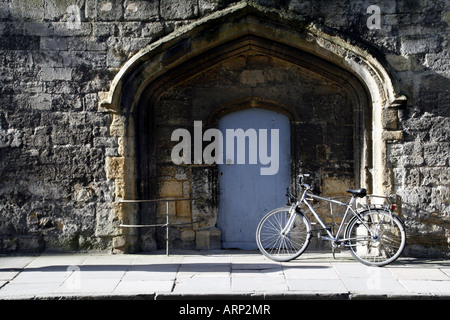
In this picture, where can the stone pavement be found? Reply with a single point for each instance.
(217, 275)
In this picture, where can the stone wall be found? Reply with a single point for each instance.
(60, 157)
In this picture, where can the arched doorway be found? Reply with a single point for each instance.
(315, 77)
(253, 183)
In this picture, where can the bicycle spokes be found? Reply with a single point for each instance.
(283, 236)
(377, 241)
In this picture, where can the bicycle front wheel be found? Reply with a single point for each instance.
(377, 238)
(280, 246)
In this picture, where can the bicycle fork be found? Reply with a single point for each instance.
(290, 222)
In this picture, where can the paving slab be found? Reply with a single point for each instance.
(374, 285)
(208, 269)
(436, 288)
(49, 274)
(419, 274)
(126, 287)
(28, 290)
(334, 286)
(15, 262)
(308, 271)
(88, 286)
(358, 270)
(148, 272)
(259, 283)
(6, 276)
(446, 271)
(203, 285)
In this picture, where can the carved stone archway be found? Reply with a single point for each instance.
(225, 35)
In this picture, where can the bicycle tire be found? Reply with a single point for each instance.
(387, 244)
(276, 246)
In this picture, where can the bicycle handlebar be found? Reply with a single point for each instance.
(300, 180)
(291, 197)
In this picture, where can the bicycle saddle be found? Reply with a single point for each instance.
(361, 193)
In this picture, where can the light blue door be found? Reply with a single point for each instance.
(251, 186)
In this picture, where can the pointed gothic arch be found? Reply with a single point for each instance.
(227, 34)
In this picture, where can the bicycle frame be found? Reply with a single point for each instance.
(331, 237)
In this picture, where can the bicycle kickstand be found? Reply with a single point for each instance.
(334, 245)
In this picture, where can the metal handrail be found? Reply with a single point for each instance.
(167, 224)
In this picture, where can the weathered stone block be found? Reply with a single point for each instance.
(390, 119)
(10, 138)
(208, 5)
(437, 153)
(438, 62)
(115, 167)
(51, 74)
(54, 43)
(393, 135)
(117, 127)
(31, 244)
(41, 137)
(439, 131)
(119, 242)
(252, 77)
(107, 10)
(162, 211)
(141, 10)
(61, 9)
(415, 45)
(27, 10)
(154, 29)
(171, 188)
(176, 10)
(209, 238)
(412, 177)
(183, 208)
(187, 235)
(441, 197)
(9, 245)
(435, 176)
(105, 221)
(412, 155)
(120, 188)
(336, 186)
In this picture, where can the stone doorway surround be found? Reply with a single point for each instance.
(226, 34)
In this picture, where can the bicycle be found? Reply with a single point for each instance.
(375, 235)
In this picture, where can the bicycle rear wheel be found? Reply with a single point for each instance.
(381, 245)
(278, 246)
